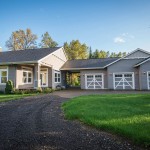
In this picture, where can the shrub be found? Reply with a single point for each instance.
(39, 90)
(47, 90)
(9, 87)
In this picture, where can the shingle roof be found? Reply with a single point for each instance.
(141, 62)
(87, 63)
(29, 55)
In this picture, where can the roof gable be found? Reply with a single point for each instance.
(133, 55)
(138, 53)
(29, 55)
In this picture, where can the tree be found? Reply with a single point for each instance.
(20, 40)
(96, 54)
(90, 53)
(47, 41)
(76, 50)
(102, 54)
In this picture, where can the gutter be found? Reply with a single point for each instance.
(21, 62)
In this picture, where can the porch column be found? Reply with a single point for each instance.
(37, 82)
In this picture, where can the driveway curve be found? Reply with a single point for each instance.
(38, 123)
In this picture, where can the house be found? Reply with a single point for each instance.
(48, 67)
(128, 73)
(32, 68)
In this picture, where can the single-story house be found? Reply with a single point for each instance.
(47, 67)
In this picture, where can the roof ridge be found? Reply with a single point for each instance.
(95, 58)
(29, 49)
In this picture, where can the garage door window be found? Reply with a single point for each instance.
(94, 81)
(124, 81)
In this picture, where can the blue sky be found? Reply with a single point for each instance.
(111, 25)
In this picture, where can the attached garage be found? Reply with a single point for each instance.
(94, 81)
(124, 81)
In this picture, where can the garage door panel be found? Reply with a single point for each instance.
(124, 81)
(94, 81)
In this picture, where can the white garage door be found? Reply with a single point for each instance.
(148, 80)
(123, 81)
(94, 81)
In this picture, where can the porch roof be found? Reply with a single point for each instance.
(87, 63)
(25, 56)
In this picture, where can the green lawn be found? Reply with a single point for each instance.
(126, 115)
(9, 97)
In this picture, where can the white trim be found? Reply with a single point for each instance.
(46, 71)
(82, 68)
(142, 62)
(94, 74)
(6, 76)
(21, 62)
(122, 79)
(148, 80)
(58, 72)
(27, 71)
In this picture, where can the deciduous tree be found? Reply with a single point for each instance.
(76, 50)
(20, 40)
(47, 41)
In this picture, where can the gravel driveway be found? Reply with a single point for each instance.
(38, 123)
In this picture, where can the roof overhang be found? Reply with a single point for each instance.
(15, 63)
(142, 62)
(90, 68)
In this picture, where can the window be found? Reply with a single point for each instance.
(57, 77)
(27, 77)
(3, 76)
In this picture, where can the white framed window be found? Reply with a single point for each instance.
(3, 76)
(27, 77)
(57, 77)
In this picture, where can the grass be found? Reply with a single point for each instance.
(125, 115)
(9, 97)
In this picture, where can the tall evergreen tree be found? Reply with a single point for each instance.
(90, 53)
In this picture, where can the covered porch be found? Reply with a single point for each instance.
(33, 76)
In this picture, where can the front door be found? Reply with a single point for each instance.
(44, 78)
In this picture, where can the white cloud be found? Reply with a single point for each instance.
(124, 37)
(119, 40)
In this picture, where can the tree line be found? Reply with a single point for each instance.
(25, 39)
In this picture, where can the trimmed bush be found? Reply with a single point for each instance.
(47, 90)
(9, 87)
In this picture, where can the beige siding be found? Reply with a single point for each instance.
(60, 53)
(82, 77)
(19, 76)
(56, 59)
